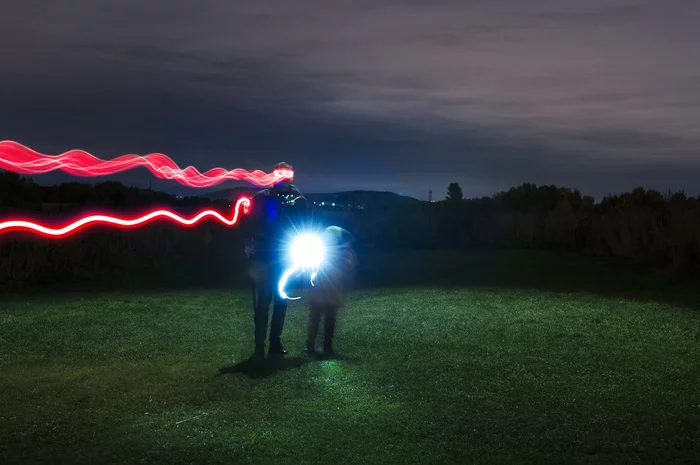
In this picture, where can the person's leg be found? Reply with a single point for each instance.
(314, 321)
(329, 320)
(279, 312)
(263, 297)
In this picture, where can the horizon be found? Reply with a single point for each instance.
(214, 190)
(601, 95)
(141, 179)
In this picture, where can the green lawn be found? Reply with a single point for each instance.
(476, 374)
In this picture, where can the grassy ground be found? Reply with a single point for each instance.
(565, 367)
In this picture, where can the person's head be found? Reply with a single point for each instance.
(285, 183)
(338, 238)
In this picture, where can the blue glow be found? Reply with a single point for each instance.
(306, 252)
(283, 283)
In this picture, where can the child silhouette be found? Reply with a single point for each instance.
(328, 293)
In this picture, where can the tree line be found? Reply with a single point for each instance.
(644, 226)
(18, 192)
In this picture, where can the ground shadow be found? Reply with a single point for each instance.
(271, 366)
(264, 368)
(320, 357)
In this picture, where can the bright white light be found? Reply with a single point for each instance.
(283, 283)
(307, 251)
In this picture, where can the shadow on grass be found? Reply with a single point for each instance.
(271, 366)
(264, 368)
(335, 356)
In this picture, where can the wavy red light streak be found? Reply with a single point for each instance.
(57, 233)
(23, 160)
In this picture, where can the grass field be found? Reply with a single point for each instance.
(545, 368)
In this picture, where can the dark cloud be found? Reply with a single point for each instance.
(404, 96)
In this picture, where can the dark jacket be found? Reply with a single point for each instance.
(273, 212)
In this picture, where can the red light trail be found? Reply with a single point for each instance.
(23, 160)
(57, 233)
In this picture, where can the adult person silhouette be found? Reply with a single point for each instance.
(274, 211)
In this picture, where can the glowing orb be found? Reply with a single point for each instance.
(307, 252)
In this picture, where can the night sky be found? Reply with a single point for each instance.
(407, 96)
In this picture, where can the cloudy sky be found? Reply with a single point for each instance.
(408, 96)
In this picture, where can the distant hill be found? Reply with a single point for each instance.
(230, 194)
(365, 200)
(353, 200)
